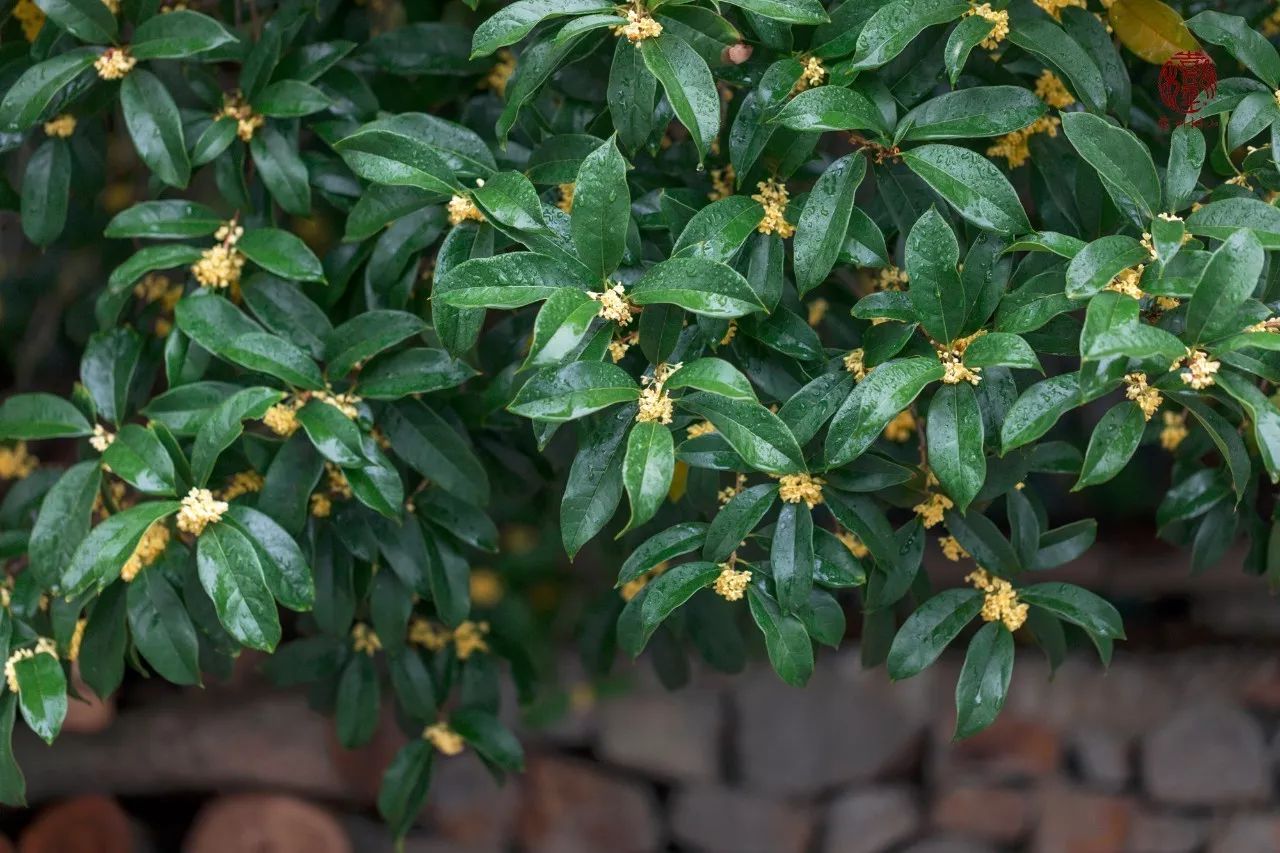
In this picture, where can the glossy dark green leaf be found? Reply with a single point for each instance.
(984, 679)
(647, 469)
(928, 631)
(155, 126)
(231, 574)
(42, 693)
(754, 432)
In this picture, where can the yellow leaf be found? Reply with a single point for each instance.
(1151, 29)
(679, 480)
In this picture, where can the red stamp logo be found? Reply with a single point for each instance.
(1184, 77)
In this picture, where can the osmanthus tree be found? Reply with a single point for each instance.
(814, 285)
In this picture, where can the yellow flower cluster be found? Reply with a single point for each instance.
(31, 17)
(639, 26)
(101, 438)
(1137, 390)
(200, 509)
(219, 266)
(853, 543)
(461, 209)
(817, 310)
(16, 462)
(729, 333)
(728, 492)
(114, 63)
(892, 278)
(999, 24)
(794, 488)
(614, 305)
(564, 199)
(722, 182)
(1054, 92)
(243, 483)
(150, 547)
(468, 637)
(698, 429)
(1126, 282)
(655, 402)
(236, 107)
(43, 646)
(346, 403)
(364, 640)
(631, 588)
(77, 638)
(501, 72)
(899, 429)
(1015, 147)
(618, 348)
(60, 126)
(773, 197)
(855, 363)
(952, 549)
(1001, 602)
(813, 74)
(282, 418)
(1173, 431)
(954, 370)
(155, 287)
(444, 739)
(1199, 368)
(486, 587)
(321, 505)
(336, 481)
(732, 583)
(1055, 7)
(933, 508)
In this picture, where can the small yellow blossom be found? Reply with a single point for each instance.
(813, 74)
(954, 370)
(1147, 398)
(243, 483)
(468, 638)
(282, 418)
(336, 481)
(933, 508)
(321, 505)
(345, 403)
(639, 26)
(77, 638)
(200, 509)
(1126, 282)
(618, 348)
(1240, 180)
(427, 635)
(565, 199)
(794, 488)
(1055, 7)
(364, 640)
(114, 63)
(150, 547)
(462, 209)
(503, 67)
(899, 429)
(892, 278)
(722, 182)
(699, 429)
(1015, 147)
(999, 20)
(61, 126)
(773, 197)
(855, 363)
(1001, 599)
(43, 646)
(952, 549)
(16, 462)
(614, 305)
(729, 333)
(486, 587)
(732, 584)
(1173, 431)
(1167, 303)
(236, 107)
(1199, 368)
(631, 588)
(853, 543)
(1051, 90)
(101, 438)
(655, 403)
(219, 267)
(31, 17)
(817, 310)
(729, 492)
(443, 738)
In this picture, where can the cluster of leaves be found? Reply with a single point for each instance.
(665, 222)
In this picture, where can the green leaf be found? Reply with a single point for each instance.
(224, 425)
(413, 371)
(601, 209)
(717, 232)
(820, 234)
(1000, 349)
(178, 34)
(1094, 266)
(231, 574)
(559, 394)
(46, 185)
(404, 786)
(13, 787)
(42, 694)
(1242, 41)
(170, 218)
(337, 437)
(290, 99)
(1048, 42)
(1262, 414)
(366, 335)
(34, 416)
(430, 446)
(1038, 409)
(713, 375)
(493, 741)
(785, 638)
(161, 629)
(594, 487)
(896, 24)
(1119, 158)
(282, 171)
(757, 435)
(284, 567)
(668, 591)
(688, 84)
(955, 443)
(631, 91)
(878, 399)
(356, 711)
(155, 126)
(1227, 281)
(695, 284)
(137, 456)
(1112, 444)
(791, 556)
(928, 631)
(518, 19)
(281, 253)
(972, 185)
(647, 469)
(984, 679)
(830, 108)
(384, 156)
(666, 545)
(31, 94)
(100, 556)
(936, 291)
(1077, 606)
(63, 521)
(787, 11)
(1220, 219)
(967, 113)
(84, 19)
(510, 280)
